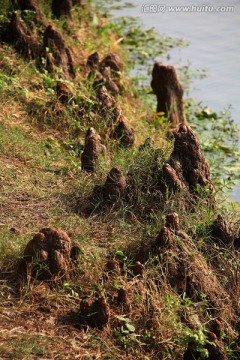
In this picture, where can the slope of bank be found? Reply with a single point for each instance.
(112, 243)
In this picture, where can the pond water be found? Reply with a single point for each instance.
(213, 31)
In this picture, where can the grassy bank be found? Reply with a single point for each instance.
(175, 295)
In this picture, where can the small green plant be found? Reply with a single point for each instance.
(160, 121)
(67, 288)
(196, 341)
(126, 327)
(29, 16)
(37, 268)
(232, 349)
(126, 336)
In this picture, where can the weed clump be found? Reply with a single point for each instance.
(212, 349)
(143, 178)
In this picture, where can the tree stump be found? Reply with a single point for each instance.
(92, 149)
(124, 134)
(169, 92)
(31, 5)
(115, 185)
(20, 35)
(62, 8)
(187, 168)
(60, 55)
(64, 94)
(49, 248)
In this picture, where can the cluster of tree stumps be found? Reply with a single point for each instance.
(51, 256)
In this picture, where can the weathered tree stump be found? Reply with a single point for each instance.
(92, 149)
(60, 55)
(122, 296)
(62, 8)
(115, 185)
(64, 94)
(93, 61)
(165, 238)
(187, 168)
(187, 151)
(96, 313)
(109, 82)
(172, 221)
(49, 248)
(144, 253)
(31, 5)
(103, 79)
(122, 300)
(138, 269)
(114, 62)
(124, 134)
(221, 231)
(20, 35)
(105, 72)
(112, 267)
(111, 67)
(169, 92)
(107, 101)
(187, 271)
(109, 109)
(77, 2)
(171, 179)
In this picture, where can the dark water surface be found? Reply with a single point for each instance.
(213, 30)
